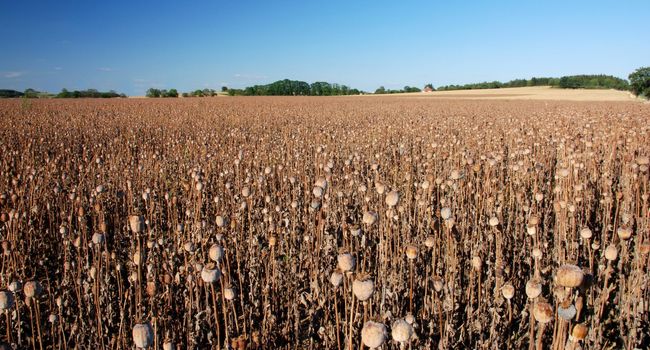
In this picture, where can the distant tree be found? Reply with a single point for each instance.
(30, 93)
(429, 86)
(640, 82)
(64, 94)
(380, 90)
(10, 93)
(153, 92)
(224, 89)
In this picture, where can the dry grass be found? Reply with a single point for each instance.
(324, 223)
(531, 93)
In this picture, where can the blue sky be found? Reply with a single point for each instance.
(130, 46)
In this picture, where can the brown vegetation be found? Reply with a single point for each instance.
(324, 223)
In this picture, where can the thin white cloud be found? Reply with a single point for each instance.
(105, 69)
(11, 75)
(58, 68)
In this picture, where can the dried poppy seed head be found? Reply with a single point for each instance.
(569, 275)
(579, 332)
(317, 192)
(32, 289)
(445, 213)
(494, 221)
(345, 262)
(531, 230)
(229, 293)
(586, 233)
(401, 331)
(543, 312)
(220, 221)
(392, 198)
(336, 278)
(321, 182)
(380, 188)
(437, 283)
(533, 289)
(98, 238)
(624, 233)
(566, 312)
(14, 286)
(611, 252)
(363, 287)
(210, 273)
(373, 334)
(136, 223)
(508, 291)
(369, 218)
(6, 300)
(411, 252)
(429, 241)
(142, 335)
(216, 253)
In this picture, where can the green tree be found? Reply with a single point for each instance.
(380, 90)
(64, 94)
(172, 93)
(153, 92)
(640, 82)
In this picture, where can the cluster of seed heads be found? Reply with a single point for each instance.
(324, 223)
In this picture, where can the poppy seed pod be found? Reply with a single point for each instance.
(533, 289)
(373, 334)
(220, 221)
(369, 218)
(543, 312)
(345, 262)
(624, 233)
(586, 233)
(336, 278)
(229, 293)
(508, 291)
(216, 253)
(437, 283)
(392, 198)
(401, 331)
(363, 287)
(429, 241)
(6, 300)
(445, 213)
(579, 331)
(611, 252)
(143, 335)
(136, 223)
(411, 252)
(32, 289)
(567, 312)
(569, 275)
(210, 273)
(98, 238)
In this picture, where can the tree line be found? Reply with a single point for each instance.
(594, 81)
(382, 90)
(288, 87)
(89, 93)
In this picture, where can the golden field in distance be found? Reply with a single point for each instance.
(441, 220)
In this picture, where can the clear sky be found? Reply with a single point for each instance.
(130, 46)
